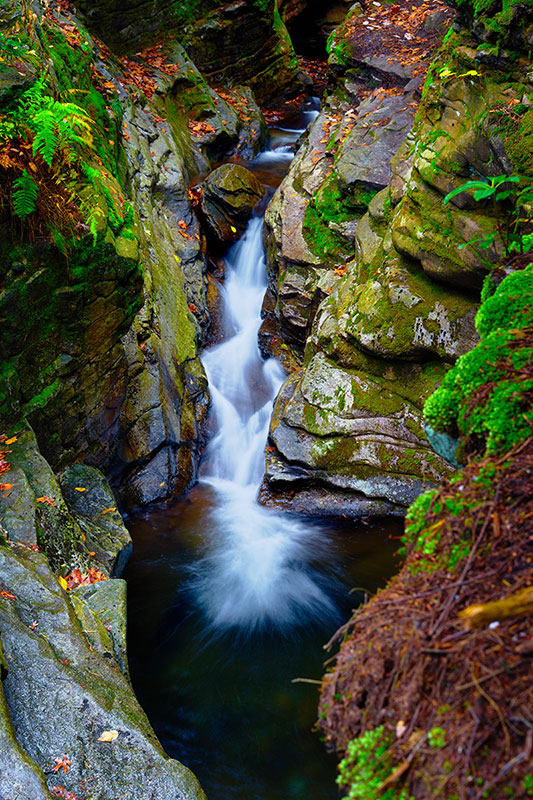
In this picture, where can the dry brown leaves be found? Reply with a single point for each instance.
(397, 31)
(76, 578)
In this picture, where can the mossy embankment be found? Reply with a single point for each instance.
(420, 703)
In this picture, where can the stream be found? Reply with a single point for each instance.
(230, 602)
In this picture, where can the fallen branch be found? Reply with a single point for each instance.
(516, 605)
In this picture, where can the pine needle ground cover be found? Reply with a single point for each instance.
(455, 702)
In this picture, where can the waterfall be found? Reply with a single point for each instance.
(257, 571)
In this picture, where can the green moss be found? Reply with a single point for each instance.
(504, 417)
(510, 306)
(322, 241)
(366, 765)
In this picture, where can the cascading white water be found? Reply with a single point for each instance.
(257, 569)
(242, 385)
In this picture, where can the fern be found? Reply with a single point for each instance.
(60, 126)
(46, 139)
(24, 196)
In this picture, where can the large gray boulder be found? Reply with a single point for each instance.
(62, 694)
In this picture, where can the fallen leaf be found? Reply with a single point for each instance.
(7, 595)
(80, 488)
(10, 441)
(62, 582)
(108, 736)
(60, 791)
(108, 510)
(61, 763)
(46, 499)
(5, 486)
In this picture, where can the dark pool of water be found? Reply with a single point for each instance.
(224, 702)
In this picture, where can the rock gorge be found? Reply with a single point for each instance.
(107, 294)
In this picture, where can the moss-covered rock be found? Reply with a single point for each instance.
(343, 429)
(229, 195)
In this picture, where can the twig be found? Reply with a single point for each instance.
(525, 754)
(449, 602)
(496, 707)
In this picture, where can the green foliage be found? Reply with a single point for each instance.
(415, 520)
(24, 197)
(322, 241)
(367, 765)
(437, 738)
(511, 305)
(60, 126)
(511, 202)
(54, 126)
(527, 785)
(502, 420)
(11, 50)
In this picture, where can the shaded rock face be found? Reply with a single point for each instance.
(62, 357)
(44, 646)
(381, 308)
(244, 42)
(69, 518)
(229, 195)
(63, 660)
(166, 399)
(228, 120)
(100, 350)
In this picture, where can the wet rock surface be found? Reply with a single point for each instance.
(370, 272)
(61, 694)
(229, 195)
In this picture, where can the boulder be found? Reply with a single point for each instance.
(229, 196)
(341, 428)
(90, 500)
(62, 694)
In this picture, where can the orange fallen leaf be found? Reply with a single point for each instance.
(61, 763)
(5, 486)
(60, 791)
(108, 736)
(10, 441)
(7, 595)
(108, 510)
(46, 499)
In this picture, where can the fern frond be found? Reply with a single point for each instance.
(24, 197)
(46, 140)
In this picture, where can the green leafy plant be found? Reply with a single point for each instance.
(366, 767)
(24, 195)
(52, 140)
(512, 203)
(437, 737)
